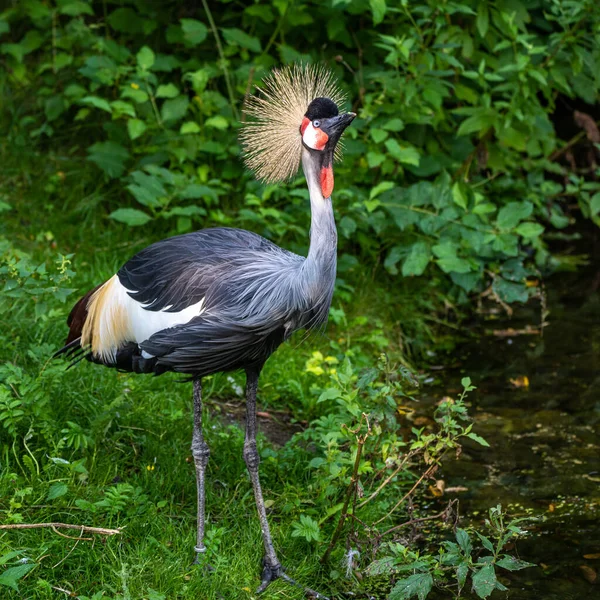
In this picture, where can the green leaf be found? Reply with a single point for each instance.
(595, 204)
(403, 154)
(529, 230)
(174, 109)
(10, 577)
(394, 124)
(194, 32)
(57, 490)
(459, 195)
(307, 528)
(484, 581)
(138, 96)
(130, 216)
(464, 541)
(135, 128)
(450, 262)
(54, 107)
(167, 91)
(514, 212)
(122, 108)
(329, 394)
(382, 186)
(374, 159)
(125, 20)
(10, 555)
(478, 439)
(145, 58)
(417, 260)
(378, 8)
(217, 122)
(195, 191)
(109, 156)
(483, 18)
(510, 563)
(189, 127)
(510, 292)
(74, 8)
(237, 37)
(461, 574)
(487, 544)
(419, 585)
(378, 135)
(96, 102)
(479, 122)
(466, 382)
(394, 255)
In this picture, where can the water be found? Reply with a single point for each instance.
(545, 448)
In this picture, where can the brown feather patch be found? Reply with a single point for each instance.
(78, 315)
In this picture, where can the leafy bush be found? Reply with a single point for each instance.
(455, 168)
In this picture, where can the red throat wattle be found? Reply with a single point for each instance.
(327, 181)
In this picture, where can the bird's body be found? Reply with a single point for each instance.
(214, 300)
(224, 299)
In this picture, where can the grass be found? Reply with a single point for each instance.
(142, 466)
(112, 450)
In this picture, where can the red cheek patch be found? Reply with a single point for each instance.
(327, 181)
(322, 139)
(304, 125)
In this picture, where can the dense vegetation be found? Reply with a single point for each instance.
(472, 151)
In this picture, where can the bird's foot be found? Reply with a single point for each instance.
(200, 559)
(272, 572)
(269, 574)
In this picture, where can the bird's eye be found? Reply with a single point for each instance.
(316, 123)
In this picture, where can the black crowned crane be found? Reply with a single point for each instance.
(224, 299)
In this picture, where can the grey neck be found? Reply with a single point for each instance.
(319, 268)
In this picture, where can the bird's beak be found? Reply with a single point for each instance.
(337, 125)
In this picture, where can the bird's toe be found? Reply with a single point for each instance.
(269, 574)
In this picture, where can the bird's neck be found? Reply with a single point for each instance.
(320, 264)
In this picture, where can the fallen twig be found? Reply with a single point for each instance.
(81, 528)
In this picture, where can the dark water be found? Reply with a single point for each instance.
(544, 437)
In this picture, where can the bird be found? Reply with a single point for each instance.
(223, 299)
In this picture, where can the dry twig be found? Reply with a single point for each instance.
(54, 526)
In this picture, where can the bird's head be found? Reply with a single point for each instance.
(321, 129)
(297, 112)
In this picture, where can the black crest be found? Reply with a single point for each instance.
(322, 108)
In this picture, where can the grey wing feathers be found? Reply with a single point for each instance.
(209, 345)
(177, 272)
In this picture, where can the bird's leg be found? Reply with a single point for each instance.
(271, 566)
(200, 452)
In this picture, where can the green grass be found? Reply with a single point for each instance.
(144, 453)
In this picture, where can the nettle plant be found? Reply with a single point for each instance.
(373, 470)
(455, 170)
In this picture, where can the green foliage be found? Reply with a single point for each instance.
(456, 562)
(453, 169)
(26, 285)
(10, 575)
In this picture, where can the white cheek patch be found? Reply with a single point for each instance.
(314, 138)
